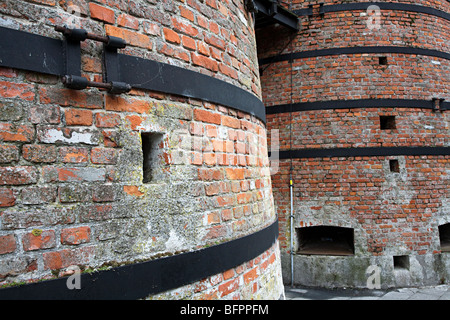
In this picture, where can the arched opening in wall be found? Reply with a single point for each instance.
(326, 240)
(444, 237)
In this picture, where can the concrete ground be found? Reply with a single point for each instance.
(441, 292)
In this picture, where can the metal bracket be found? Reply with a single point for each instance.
(313, 8)
(72, 79)
(438, 104)
(121, 72)
(269, 12)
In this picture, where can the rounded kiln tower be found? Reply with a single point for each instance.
(146, 167)
(361, 98)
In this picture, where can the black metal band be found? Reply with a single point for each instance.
(359, 103)
(148, 278)
(26, 51)
(381, 5)
(147, 74)
(355, 50)
(364, 152)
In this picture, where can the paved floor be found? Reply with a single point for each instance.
(441, 292)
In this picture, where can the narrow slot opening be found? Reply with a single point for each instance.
(326, 240)
(401, 262)
(151, 149)
(383, 61)
(394, 166)
(444, 237)
(387, 122)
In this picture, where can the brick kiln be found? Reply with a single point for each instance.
(133, 149)
(360, 96)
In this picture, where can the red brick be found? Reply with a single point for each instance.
(78, 174)
(171, 36)
(210, 159)
(232, 73)
(207, 116)
(18, 175)
(125, 20)
(13, 132)
(210, 174)
(73, 154)
(101, 13)
(17, 90)
(224, 201)
(38, 240)
(45, 114)
(8, 72)
(8, 153)
(235, 173)
(116, 103)
(39, 153)
(212, 189)
(110, 138)
(203, 48)
(206, 62)
(251, 275)
(189, 43)
(74, 236)
(7, 198)
(186, 13)
(107, 120)
(215, 41)
(244, 198)
(131, 37)
(65, 258)
(78, 117)
(228, 274)
(213, 218)
(104, 155)
(215, 232)
(228, 287)
(186, 28)
(231, 122)
(7, 244)
(133, 191)
(67, 97)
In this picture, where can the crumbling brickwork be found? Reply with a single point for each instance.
(73, 183)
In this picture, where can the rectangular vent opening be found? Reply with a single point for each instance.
(387, 122)
(394, 166)
(444, 237)
(151, 149)
(326, 240)
(401, 262)
(382, 61)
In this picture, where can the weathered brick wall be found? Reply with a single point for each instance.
(71, 162)
(392, 213)
(438, 4)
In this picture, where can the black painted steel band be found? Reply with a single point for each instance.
(355, 50)
(364, 152)
(23, 50)
(140, 280)
(350, 104)
(153, 75)
(381, 5)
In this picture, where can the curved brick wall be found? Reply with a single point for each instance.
(71, 162)
(391, 213)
